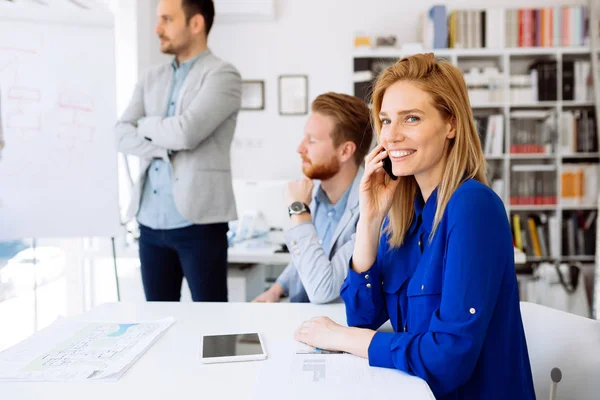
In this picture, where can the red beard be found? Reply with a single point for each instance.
(321, 172)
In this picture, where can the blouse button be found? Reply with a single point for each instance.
(472, 310)
(368, 286)
(367, 276)
(422, 287)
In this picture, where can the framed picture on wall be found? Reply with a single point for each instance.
(253, 95)
(293, 95)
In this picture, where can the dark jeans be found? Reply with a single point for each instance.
(198, 252)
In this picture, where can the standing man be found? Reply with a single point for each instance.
(180, 122)
(336, 139)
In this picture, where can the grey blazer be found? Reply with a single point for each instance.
(321, 272)
(196, 141)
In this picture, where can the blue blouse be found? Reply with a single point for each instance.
(453, 301)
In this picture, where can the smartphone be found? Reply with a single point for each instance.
(387, 166)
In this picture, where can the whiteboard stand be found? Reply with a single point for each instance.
(114, 251)
(35, 299)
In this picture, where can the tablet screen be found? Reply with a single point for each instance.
(231, 345)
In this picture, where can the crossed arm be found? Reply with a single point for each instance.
(149, 136)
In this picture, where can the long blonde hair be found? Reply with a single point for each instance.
(464, 156)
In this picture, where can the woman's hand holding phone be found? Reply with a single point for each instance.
(376, 194)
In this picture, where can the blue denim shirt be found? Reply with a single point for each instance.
(326, 217)
(157, 208)
(453, 301)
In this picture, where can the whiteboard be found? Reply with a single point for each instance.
(58, 168)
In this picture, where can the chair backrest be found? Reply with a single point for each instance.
(566, 341)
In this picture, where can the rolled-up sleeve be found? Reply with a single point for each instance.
(285, 278)
(478, 250)
(321, 277)
(363, 295)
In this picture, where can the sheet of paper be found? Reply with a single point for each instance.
(296, 372)
(74, 350)
(302, 348)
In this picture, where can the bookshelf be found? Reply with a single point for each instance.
(550, 163)
(453, 54)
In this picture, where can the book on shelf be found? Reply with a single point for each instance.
(545, 79)
(516, 228)
(541, 82)
(553, 237)
(542, 233)
(491, 133)
(497, 28)
(532, 234)
(484, 85)
(536, 247)
(532, 131)
(578, 132)
(577, 81)
(579, 233)
(497, 186)
(533, 185)
(579, 184)
(366, 69)
(523, 87)
(434, 27)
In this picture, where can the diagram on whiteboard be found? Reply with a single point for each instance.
(57, 114)
(20, 109)
(80, 351)
(23, 109)
(75, 109)
(22, 101)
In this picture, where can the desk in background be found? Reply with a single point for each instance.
(240, 255)
(267, 248)
(172, 368)
(254, 264)
(248, 272)
(252, 267)
(245, 284)
(271, 255)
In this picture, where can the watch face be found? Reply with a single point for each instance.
(297, 206)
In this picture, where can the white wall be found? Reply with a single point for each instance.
(126, 32)
(148, 44)
(312, 37)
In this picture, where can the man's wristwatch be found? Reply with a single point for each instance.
(297, 208)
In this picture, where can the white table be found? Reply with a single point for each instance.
(171, 369)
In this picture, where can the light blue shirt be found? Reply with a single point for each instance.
(157, 208)
(326, 218)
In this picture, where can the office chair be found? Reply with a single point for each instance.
(562, 348)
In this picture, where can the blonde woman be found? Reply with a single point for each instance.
(433, 249)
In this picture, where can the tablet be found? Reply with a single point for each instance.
(232, 347)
